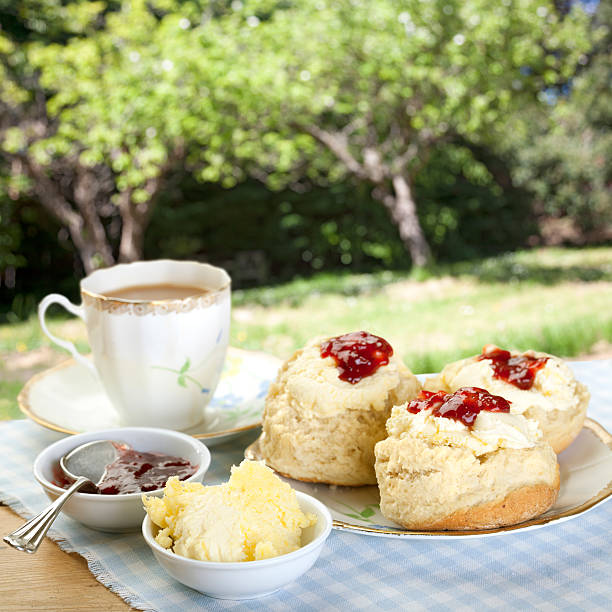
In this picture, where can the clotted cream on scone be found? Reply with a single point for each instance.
(539, 386)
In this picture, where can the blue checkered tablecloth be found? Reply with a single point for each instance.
(564, 566)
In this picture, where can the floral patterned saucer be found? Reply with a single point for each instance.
(586, 472)
(68, 399)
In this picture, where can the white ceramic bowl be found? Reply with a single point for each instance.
(248, 579)
(117, 513)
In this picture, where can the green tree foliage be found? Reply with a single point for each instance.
(381, 85)
(263, 236)
(566, 162)
(98, 119)
(10, 236)
(101, 102)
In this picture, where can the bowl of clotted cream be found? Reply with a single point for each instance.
(242, 539)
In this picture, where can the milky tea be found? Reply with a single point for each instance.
(156, 293)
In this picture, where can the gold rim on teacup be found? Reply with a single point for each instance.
(159, 307)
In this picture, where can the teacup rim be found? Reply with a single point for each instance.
(109, 299)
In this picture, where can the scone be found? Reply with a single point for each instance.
(328, 408)
(462, 461)
(539, 386)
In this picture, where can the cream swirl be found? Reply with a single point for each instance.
(490, 431)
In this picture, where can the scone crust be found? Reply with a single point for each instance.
(428, 487)
(329, 440)
(518, 506)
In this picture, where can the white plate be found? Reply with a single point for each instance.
(586, 472)
(67, 398)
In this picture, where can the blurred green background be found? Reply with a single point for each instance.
(436, 172)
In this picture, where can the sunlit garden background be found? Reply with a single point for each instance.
(434, 171)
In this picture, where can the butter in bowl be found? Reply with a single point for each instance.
(243, 539)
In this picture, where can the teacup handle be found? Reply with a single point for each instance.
(56, 298)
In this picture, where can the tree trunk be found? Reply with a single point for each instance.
(400, 202)
(134, 222)
(135, 217)
(74, 223)
(403, 211)
(86, 193)
(52, 199)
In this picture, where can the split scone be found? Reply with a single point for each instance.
(462, 461)
(328, 408)
(539, 386)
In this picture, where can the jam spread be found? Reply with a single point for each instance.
(357, 355)
(136, 472)
(463, 405)
(519, 371)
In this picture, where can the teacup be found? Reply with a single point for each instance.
(158, 332)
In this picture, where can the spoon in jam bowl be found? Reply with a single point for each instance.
(85, 467)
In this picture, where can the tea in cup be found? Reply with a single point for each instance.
(158, 332)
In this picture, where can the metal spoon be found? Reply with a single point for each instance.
(86, 466)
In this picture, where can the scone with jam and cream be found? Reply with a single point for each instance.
(462, 461)
(253, 516)
(328, 408)
(539, 386)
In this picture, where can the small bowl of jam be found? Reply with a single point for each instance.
(143, 464)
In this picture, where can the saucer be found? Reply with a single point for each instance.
(68, 399)
(586, 472)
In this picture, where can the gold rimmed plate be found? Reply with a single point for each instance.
(586, 481)
(68, 399)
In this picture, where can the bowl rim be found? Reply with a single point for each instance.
(201, 449)
(321, 511)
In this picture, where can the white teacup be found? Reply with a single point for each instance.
(159, 360)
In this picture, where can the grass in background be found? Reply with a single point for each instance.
(546, 266)
(27, 336)
(554, 300)
(8, 403)
(432, 323)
